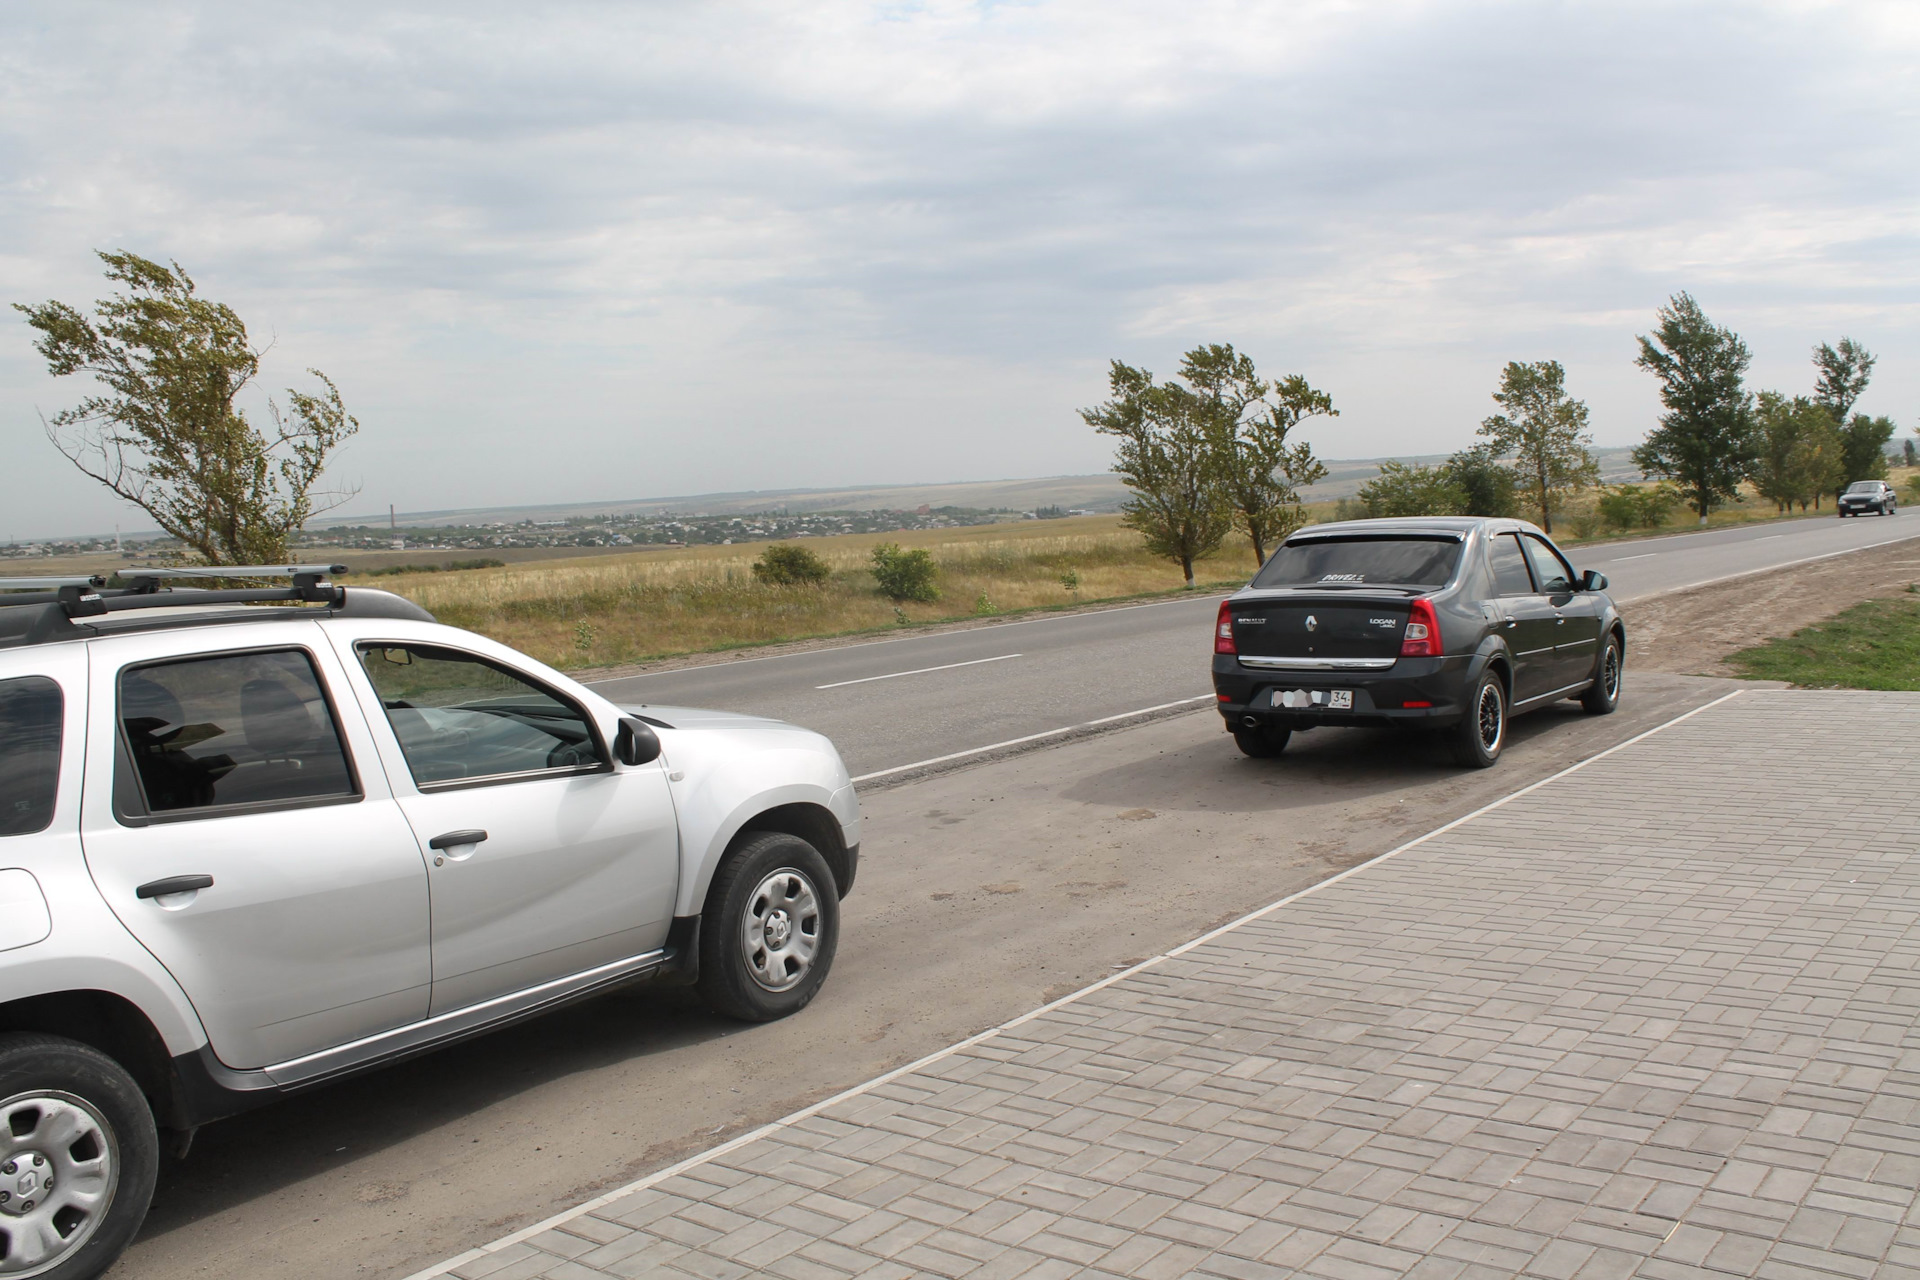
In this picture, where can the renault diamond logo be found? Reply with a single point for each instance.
(1312, 622)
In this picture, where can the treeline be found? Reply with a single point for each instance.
(1210, 451)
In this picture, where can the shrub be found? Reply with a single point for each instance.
(904, 575)
(1630, 506)
(785, 565)
(1402, 489)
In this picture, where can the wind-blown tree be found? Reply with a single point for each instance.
(1486, 485)
(1865, 442)
(1166, 456)
(167, 436)
(1706, 441)
(1545, 431)
(1842, 376)
(1801, 452)
(1260, 473)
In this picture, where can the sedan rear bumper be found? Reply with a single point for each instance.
(1412, 692)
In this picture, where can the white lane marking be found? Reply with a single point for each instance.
(1032, 737)
(1623, 559)
(868, 1086)
(938, 635)
(1748, 573)
(917, 671)
(1770, 537)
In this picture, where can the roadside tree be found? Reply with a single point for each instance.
(1406, 489)
(1166, 456)
(1801, 452)
(1842, 376)
(1545, 431)
(167, 435)
(1865, 441)
(1261, 474)
(1487, 485)
(1706, 440)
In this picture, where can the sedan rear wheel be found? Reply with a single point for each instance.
(1482, 733)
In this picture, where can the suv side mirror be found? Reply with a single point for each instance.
(1593, 580)
(636, 742)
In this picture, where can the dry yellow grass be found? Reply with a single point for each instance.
(614, 609)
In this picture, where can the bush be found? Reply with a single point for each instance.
(1402, 489)
(904, 575)
(785, 565)
(1630, 506)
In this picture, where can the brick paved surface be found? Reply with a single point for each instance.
(1652, 1019)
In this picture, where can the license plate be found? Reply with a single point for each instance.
(1311, 699)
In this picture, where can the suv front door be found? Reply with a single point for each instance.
(547, 860)
(237, 821)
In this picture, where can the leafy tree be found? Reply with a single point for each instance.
(1405, 489)
(787, 564)
(1486, 484)
(1842, 376)
(1912, 455)
(1706, 439)
(1260, 473)
(1166, 456)
(1801, 454)
(1545, 431)
(904, 575)
(1865, 442)
(167, 436)
(1631, 506)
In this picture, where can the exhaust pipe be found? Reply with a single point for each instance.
(1249, 722)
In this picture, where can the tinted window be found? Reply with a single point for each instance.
(1864, 486)
(30, 710)
(1333, 562)
(1509, 567)
(458, 716)
(237, 728)
(1549, 570)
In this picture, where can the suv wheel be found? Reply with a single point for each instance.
(1604, 695)
(771, 925)
(1481, 734)
(1261, 744)
(78, 1158)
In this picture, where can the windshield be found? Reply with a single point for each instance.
(1362, 562)
(1864, 486)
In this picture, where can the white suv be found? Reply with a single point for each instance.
(246, 850)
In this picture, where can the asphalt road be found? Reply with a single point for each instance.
(983, 893)
(890, 704)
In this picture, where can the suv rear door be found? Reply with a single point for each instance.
(240, 768)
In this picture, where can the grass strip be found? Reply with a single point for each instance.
(1874, 645)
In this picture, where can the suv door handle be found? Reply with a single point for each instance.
(454, 838)
(173, 884)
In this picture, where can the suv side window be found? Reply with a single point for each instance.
(460, 717)
(1509, 567)
(1553, 574)
(232, 729)
(30, 712)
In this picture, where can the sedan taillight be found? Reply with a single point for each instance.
(1421, 639)
(1223, 630)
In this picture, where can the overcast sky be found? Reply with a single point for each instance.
(569, 252)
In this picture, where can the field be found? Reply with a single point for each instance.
(1874, 645)
(618, 609)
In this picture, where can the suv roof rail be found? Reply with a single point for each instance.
(51, 583)
(230, 570)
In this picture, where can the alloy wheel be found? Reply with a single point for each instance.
(1492, 717)
(58, 1172)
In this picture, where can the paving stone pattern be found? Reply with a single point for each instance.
(1654, 1019)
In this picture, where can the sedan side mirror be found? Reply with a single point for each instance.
(636, 742)
(1593, 580)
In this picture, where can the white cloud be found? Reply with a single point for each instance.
(598, 250)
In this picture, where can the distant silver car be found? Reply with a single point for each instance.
(248, 850)
(1868, 495)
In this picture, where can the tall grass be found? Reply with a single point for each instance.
(629, 608)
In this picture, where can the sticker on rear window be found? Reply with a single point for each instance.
(1344, 577)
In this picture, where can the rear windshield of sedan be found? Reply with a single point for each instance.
(1361, 562)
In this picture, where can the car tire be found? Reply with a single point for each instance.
(51, 1085)
(770, 928)
(1261, 744)
(1481, 735)
(1603, 695)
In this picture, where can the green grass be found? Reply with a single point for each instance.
(1875, 645)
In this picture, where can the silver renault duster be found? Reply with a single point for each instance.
(253, 839)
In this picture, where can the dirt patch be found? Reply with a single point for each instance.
(1690, 632)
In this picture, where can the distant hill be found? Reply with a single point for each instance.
(1099, 492)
